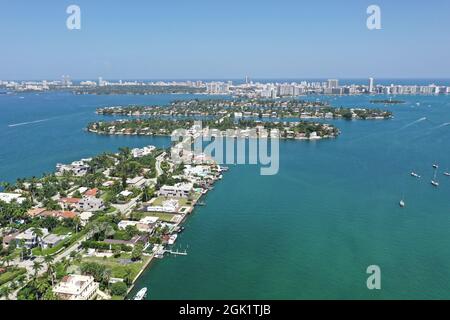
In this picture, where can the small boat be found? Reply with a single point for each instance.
(141, 294)
(402, 204)
(201, 203)
(172, 239)
(434, 182)
(447, 174)
(413, 174)
(180, 229)
(435, 166)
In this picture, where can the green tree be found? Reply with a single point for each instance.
(119, 289)
(37, 266)
(137, 252)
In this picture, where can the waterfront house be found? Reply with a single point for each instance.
(138, 153)
(138, 239)
(76, 287)
(170, 206)
(180, 190)
(78, 168)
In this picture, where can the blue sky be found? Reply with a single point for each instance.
(224, 39)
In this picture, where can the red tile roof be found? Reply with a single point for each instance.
(60, 214)
(69, 200)
(35, 212)
(91, 192)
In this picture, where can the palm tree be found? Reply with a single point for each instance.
(50, 267)
(5, 292)
(41, 287)
(36, 267)
(39, 234)
(8, 259)
(106, 276)
(77, 222)
(127, 276)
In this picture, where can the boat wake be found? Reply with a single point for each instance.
(412, 123)
(26, 123)
(442, 125)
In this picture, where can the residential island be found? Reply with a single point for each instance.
(88, 230)
(238, 115)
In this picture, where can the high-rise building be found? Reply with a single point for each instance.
(371, 83)
(101, 83)
(66, 81)
(333, 83)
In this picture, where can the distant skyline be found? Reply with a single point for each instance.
(224, 40)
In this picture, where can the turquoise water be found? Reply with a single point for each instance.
(308, 232)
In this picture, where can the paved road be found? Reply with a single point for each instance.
(29, 264)
(159, 159)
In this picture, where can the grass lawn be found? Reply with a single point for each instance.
(167, 217)
(159, 200)
(117, 266)
(11, 275)
(61, 230)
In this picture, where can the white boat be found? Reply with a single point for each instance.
(141, 294)
(415, 175)
(434, 182)
(172, 239)
(447, 174)
(402, 203)
(435, 166)
(159, 251)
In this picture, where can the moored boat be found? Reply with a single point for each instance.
(141, 294)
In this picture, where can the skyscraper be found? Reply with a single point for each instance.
(371, 83)
(333, 83)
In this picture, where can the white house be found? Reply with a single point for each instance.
(76, 287)
(51, 240)
(170, 206)
(78, 168)
(125, 223)
(84, 217)
(137, 182)
(138, 153)
(90, 204)
(10, 197)
(29, 238)
(180, 190)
